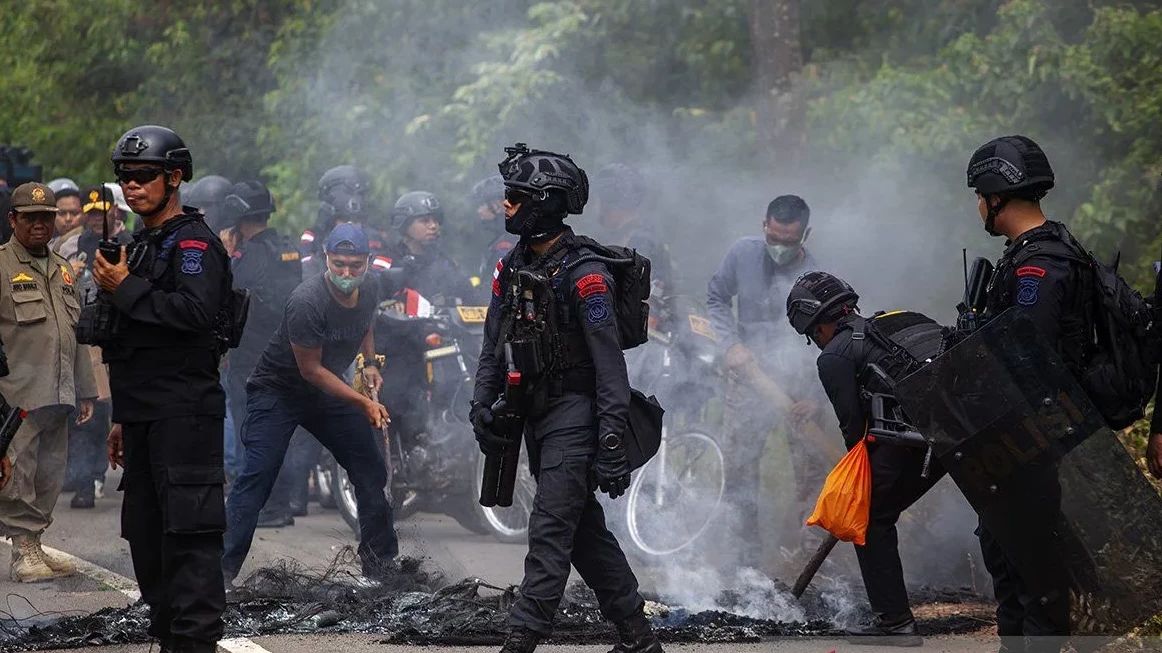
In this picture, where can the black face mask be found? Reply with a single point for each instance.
(532, 225)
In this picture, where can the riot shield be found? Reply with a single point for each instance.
(1051, 483)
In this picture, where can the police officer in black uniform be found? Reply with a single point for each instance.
(488, 198)
(1036, 275)
(168, 290)
(860, 358)
(266, 264)
(579, 403)
(418, 220)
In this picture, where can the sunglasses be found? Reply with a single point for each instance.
(515, 196)
(141, 176)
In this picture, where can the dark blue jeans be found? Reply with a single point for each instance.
(271, 419)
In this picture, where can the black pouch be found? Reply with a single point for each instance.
(643, 429)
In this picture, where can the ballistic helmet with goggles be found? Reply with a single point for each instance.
(619, 186)
(818, 298)
(343, 194)
(537, 174)
(153, 144)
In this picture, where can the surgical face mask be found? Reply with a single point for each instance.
(784, 254)
(346, 285)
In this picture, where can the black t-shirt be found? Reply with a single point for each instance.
(313, 319)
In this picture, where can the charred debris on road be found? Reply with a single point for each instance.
(418, 606)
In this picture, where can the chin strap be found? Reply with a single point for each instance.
(990, 221)
(169, 191)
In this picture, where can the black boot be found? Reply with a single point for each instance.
(520, 640)
(635, 635)
(887, 630)
(187, 645)
(85, 497)
(267, 519)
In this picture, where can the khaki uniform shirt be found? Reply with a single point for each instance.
(38, 321)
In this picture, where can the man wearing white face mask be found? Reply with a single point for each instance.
(298, 381)
(754, 277)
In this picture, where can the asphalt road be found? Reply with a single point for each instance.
(92, 536)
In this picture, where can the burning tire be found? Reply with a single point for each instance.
(675, 496)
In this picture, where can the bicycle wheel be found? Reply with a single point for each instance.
(675, 496)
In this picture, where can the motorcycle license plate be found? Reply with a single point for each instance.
(472, 314)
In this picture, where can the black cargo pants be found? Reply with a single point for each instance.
(896, 485)
(567, 524)
(173, 515)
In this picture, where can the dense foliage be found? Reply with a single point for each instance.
(424, 92)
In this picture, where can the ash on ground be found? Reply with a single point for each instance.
(416, 605)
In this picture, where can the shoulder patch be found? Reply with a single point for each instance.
(1031, 271)
(194, 244)
(591, 284)
(1027, 290)
(192, 260)
(597, 309)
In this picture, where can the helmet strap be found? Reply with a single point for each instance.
(990, 220)
(169, 191)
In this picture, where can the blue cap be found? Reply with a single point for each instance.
(347, 238)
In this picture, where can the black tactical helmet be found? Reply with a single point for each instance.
(539, 173)
(619, 186)
(154, 144)
(344, 175)
(1010, 164)
(413, 205)
(818, 297)
(208, 192)
(247, 199)
(488, 190)
(343, 194)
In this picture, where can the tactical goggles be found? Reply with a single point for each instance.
(516, 196)
(141, 176)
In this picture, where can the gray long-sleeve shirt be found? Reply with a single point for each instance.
(761, 288)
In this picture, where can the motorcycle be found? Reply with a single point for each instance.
(434, 464)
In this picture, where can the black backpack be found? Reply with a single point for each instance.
(631, 275)
(1119, 375)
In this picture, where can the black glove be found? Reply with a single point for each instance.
(612, 466)
(490, 443)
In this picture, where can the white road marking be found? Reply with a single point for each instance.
(129, 588)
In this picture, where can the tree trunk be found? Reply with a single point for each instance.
(778, 57)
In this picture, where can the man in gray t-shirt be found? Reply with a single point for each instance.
(298, 382)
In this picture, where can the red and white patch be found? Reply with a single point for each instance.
(381, 263)
(194, 244)
(591, 284)
(1030, 271)
(496, 278)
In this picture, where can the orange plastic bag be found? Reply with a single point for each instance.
(845, 501)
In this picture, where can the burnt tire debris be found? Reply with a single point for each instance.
(411, 604)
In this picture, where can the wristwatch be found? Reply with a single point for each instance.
(610, 441)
